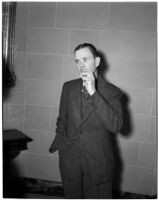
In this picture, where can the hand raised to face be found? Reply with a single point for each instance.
(88, 82)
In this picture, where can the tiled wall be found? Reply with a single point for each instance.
(46, 35)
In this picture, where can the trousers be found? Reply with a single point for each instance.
(76, 178)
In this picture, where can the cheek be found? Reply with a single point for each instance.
(92, 67)
(78, 68)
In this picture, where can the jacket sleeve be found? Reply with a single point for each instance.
(109, 110)
(61, 124)
(62, 118)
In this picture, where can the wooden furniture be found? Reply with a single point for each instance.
(14, 141)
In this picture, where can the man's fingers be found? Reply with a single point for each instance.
(87, 75)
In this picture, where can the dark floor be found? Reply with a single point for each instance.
(40, 196)
(42, 189)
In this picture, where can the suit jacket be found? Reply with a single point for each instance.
(103, 117)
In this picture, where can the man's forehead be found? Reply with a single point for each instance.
(84, 52)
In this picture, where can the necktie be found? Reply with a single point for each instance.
(85, 93)
(85, 100)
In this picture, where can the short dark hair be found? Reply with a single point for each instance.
(91, 47)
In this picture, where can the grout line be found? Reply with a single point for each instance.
(62, 64)
(40, 130)
(108, 15)
(139, 151)
(136, 141)
(20, 52)
(84, 29)
(120, 43)
(38, 105)
(35, 105)
(149, 128)
(37, 79)
(51, 133)
(50, 119)
(29, 129)
(153, 96)
(55, 14)
(140, 167)
(139, 87)
(39, 154)
(20, 25)
(69, 43)
(142, 115)
(43, 53)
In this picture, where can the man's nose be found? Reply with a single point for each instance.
(81, 64)
(82, 68)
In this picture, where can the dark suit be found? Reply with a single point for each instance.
(91, 134)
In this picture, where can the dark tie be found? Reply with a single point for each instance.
(85, 100)
(85, 93)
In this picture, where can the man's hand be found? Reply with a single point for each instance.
(89, 82)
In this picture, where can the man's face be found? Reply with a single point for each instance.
(85, 60)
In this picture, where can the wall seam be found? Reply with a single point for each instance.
(50, 122)
(55, 15)
(139, 152)
(62, 69)
(140, 167)
(69, 42)
(136, 141)
(51, 54)
(84, 29)
(108, 15)
(38, 154)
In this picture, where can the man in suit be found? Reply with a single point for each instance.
(90, 111)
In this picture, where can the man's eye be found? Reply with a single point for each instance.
(86, 59)
(76, 61)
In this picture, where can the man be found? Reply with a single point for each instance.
(90, 111)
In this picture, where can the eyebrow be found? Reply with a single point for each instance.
(83, 57)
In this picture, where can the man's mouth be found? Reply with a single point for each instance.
(82, 70)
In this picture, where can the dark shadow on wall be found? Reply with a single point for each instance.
(126, 130)
(8, 80)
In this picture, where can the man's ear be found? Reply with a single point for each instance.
(97, 61)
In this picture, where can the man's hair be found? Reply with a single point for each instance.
(88, 45)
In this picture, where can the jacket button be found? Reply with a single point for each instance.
(81, 132)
